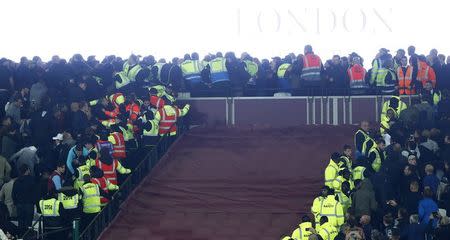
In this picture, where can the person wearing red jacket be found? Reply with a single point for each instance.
(118, 142)
(133, 110)
(110, 166)
(155, 101)
(167, 118)
(98, 177)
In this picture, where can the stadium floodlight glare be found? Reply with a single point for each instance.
(173, 27)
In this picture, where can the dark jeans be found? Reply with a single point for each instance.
(25, 213)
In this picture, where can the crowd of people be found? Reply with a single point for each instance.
(393, 184)
(68, 128)
(68, 140)
(405, 73)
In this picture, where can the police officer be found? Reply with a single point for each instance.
(150, 130)
(377, 155)
(304, 229)
(83, 169)
(51, 208)
(359, 169)
(70, 200)
(343, 195)
(347, 157)
(191, 69)
(332, 170)
(332, 209)
(91, 194)
(315, 208)
(361, 136)
(344, 176)
(327, 230)
(395, 103)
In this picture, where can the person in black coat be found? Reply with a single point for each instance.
(79, 119)
(23, 75)
(402, 223)
(410, 200)
(238, 75)
(24, 195)
(336, 75)
(444, 82)
(77, 92)
(443, 231)
(41, 129)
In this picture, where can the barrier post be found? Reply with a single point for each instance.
(76, 229)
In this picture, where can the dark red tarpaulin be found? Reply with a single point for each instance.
(231, 184)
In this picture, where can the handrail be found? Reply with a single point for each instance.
(31, 229)
(295, 91)
(109, 212)
(48, 233)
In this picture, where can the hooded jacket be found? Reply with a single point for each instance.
(363, 201)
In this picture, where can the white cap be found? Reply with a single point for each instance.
(32, 148)
(59, 137)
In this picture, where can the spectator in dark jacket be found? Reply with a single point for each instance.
(336, 75)
(445, 151)
(6, 76)
(388, 225)
(24, 197)
(41, 129)
(417, 229)
(408, 176)
(79, 120)
(13, 108)
(430, 180)
(410, 200)
(364, 202)
(77, 92)
(443, 231)
(445, 82)
(10, 142)
(23, 75)
(236, 69)
(402, 223)
(37, 93)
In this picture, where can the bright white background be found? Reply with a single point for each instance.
(170, 28)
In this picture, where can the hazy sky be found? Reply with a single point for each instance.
(171, 28)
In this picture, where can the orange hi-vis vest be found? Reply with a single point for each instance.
(425, 73)
(109, 171)
(113, 113)
(357, 75)
(119, 150)
(311, 67)
(134, 110)
(167, 124)
(157, 102)
(405, 80)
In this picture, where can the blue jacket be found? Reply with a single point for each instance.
(426, 207)
(72, 155)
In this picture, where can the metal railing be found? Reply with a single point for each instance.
(30, 233)
(110, 211)
(294, 91)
